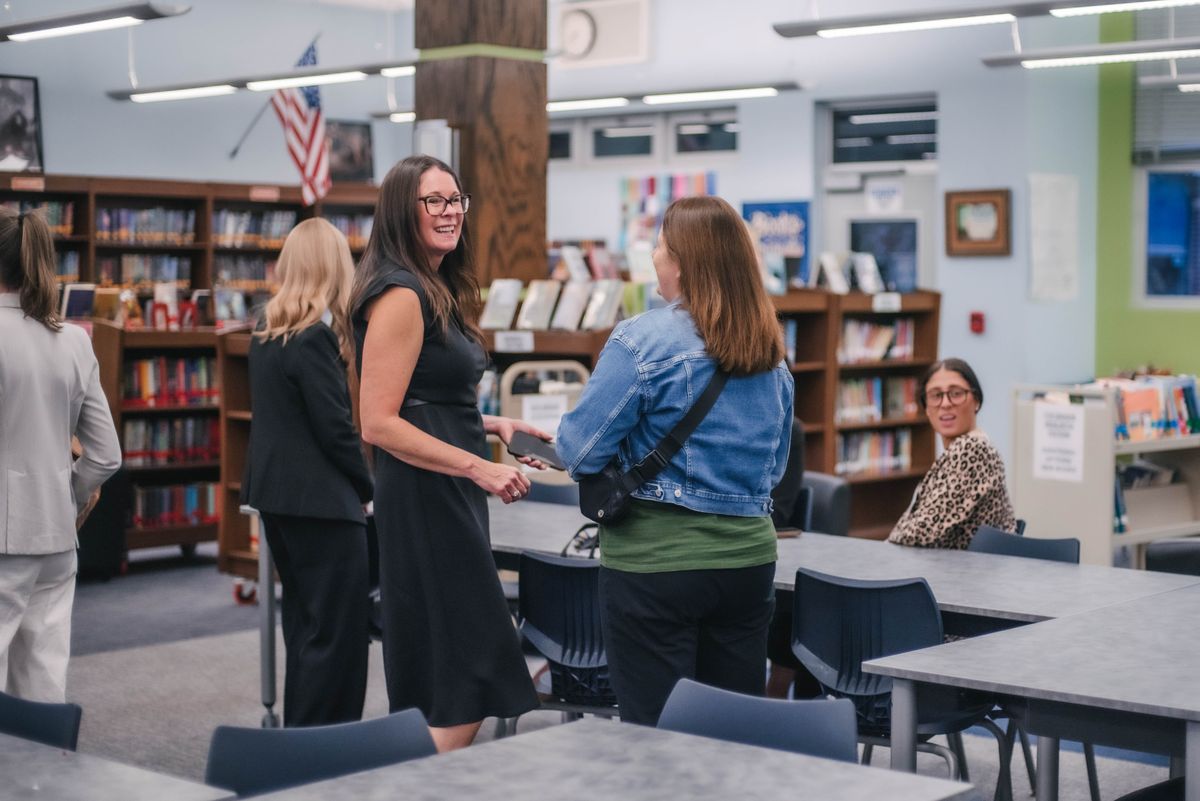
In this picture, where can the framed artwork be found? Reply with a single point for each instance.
(978, 223)
(351, 157)
(20, 125)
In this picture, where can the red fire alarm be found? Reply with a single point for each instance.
(978, 322)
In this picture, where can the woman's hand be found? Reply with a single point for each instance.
(504, 427)
(504, 481)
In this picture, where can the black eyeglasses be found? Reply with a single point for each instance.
(436, 204)
(955, 395)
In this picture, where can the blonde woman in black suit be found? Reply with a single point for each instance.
(306, 475)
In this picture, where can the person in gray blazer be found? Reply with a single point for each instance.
(49, 391)
(306, 475)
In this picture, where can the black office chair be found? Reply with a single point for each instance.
(823, 728)
(989, 539)
(253, 761)
(560, 618)
(839, 623)
(830, 503)
(1170, 790)
(1174, 556)
(51, 724)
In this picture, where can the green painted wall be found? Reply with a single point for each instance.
(1127, 337)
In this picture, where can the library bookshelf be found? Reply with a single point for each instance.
(237, 547)
(1081, 504)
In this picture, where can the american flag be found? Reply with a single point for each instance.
(299, 112)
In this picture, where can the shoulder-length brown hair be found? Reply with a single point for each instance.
(721, 285)
(27, 264)
(452, 289)
(315, 270)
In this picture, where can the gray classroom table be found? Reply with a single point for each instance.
(594, 760)
(1123, 675)
(33, 770)
(1006, 590)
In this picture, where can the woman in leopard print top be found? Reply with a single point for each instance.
(965, 487)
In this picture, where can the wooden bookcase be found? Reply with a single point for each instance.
(237, 553)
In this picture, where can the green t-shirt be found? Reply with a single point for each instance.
(662, 537)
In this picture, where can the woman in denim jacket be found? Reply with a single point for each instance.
(686, 578)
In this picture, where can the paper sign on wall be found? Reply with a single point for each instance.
(884, 195)
(1058, 442)
(1053, 237)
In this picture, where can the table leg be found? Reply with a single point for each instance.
(1191, 764)
(904, 726)
(1047, 768)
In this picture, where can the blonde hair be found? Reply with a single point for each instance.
(315, 271)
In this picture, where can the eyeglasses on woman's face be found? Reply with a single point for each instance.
(955, 396)
(436, 204)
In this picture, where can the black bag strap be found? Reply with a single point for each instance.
(654, 462)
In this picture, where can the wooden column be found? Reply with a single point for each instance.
(481, 70)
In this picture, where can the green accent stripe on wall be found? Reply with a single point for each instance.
(481, 50)
(1127, 337)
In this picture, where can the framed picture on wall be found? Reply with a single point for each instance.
(351, 157)
(978, 223)
(20, 125)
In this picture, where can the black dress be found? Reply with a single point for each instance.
(449, 645)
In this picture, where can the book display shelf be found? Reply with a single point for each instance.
(856, 359)
(237, 546)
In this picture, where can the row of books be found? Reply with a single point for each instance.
(356, 227)
(576, 305)
(67, 265)
(1155, 406)
(585, 260)
(170, 381)
(252, 229)
(193, 504)
(154, 226)
(868, 341)
(142, 269)
(869, 400)
(175, 441)
(59, 214)
(245, 272)
(874, 452)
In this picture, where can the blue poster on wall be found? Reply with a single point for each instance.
(781, 231)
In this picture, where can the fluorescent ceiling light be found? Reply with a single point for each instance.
(583, 105)
(306, 80)
(403, 116)
(630, 130)
(694, 128)
(398, 72)
(911, 139)
(183, 94)
(99, 19)
(892, 116)
(915, 25)
(854, 141)
(1189, 87)
(1105, 8)
(1116, 52)
(1170, 81)
(717, 94)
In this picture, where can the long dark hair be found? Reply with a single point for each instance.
(452, 289)
(955, 366)
(27, 264)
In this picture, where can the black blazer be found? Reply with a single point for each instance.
(305, 458)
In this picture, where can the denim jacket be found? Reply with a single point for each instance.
(651, 371)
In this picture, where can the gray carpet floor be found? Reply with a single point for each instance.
(155, 704)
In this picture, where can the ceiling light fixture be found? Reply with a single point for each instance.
(744, 93)
(585, 105)
(311, 76)
(99, 19)
(627, 131)
(1171, 81)
(402, 116)
(398, 72)
(892, 116)
(1189, 87)
(959, 17)
(1114, 53)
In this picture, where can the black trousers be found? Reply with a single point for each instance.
(322, 565)
(707, 625)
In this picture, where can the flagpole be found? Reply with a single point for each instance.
(233, 153)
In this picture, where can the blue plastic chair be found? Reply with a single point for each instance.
(823, 728)
(252, 761)
(51, 724)
(839, 623)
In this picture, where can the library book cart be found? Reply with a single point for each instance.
(1064, 475)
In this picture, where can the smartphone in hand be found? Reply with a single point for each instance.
(524, 444)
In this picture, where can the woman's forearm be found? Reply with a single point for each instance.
(413, 446)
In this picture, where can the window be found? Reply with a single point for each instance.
(623, 139)
(1172, 234)
(705, 137)
(560, 145)
(885, 133)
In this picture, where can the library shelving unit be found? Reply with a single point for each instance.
(815, 321)
(506, 347)
(1082, 505)
(237, 552)
(116, 347)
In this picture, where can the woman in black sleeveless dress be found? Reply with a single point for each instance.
(449, 645)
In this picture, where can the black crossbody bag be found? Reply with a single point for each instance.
(604, 496)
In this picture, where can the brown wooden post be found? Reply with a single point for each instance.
(481, 69)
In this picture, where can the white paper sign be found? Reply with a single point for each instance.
(1053, 237)
(543, 411)
(884, 195)
(514, 341)
(1058, 442)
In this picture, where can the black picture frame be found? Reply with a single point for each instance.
(351, 153)
(20, 125)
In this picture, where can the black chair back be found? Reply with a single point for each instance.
(992, 540)
(51, 724)
(252, 761)
(823, 728)
(830, 503)
(1174, 556)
